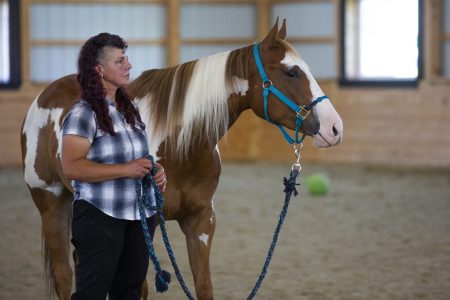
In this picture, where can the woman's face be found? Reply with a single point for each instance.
(115, 68)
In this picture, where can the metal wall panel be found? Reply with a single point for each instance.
(446, 16)
(80, 21)
(217, 21)
(446, 59)
(307, 19)
(192, 52)
(50, 63)
(74, 22)
(143, 58)
(446, 44)
(321, 59)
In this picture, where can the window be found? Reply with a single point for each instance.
(381, 42)
(9, 44)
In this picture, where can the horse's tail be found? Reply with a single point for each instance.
(64, 221)
(48, 276)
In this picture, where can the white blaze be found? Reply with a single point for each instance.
(328, 117)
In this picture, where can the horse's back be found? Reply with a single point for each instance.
(41, 134)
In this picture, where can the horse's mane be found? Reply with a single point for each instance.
(288, 47)
(187, 103)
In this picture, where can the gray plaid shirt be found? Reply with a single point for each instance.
(116, 198)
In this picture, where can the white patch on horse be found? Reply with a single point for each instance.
(36, 119)
(218, 154)
(155, 139)
(212, 203)
(240, 86)
(212, 208)
(294, 59)
(204, 238)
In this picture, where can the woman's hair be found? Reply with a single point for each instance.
(91, 86)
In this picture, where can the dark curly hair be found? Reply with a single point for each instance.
(91, 86)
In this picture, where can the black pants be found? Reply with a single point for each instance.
(113, 255)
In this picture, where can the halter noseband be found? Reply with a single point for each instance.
(301, 112)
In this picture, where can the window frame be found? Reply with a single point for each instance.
(344, 81)
(14, 46)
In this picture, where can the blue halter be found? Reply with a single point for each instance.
(301, 112)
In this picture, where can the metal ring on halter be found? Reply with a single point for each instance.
(267, 84)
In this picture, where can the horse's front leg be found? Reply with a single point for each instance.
(199, 231)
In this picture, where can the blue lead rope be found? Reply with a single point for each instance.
(289, 188)
(162, 278)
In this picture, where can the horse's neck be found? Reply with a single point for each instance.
(195, 103)
(237, 104)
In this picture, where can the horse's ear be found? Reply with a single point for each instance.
(282, 32)
(273, 33)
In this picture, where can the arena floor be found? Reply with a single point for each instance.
(379, 234)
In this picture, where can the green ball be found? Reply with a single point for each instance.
(318, 184)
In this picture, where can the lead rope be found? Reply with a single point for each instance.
(289, 188)
(162, 279)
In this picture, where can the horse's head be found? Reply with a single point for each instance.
(288, 77)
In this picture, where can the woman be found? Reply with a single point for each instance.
(103, 149)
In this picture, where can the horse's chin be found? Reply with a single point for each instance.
(322, 142)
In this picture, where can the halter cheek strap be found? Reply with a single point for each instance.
(301, 112)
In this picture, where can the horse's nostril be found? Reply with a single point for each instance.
(335, 131)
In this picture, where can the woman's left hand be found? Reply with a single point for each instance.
(160, 177)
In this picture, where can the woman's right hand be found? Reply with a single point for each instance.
(138, 168)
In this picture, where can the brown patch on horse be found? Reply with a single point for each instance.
(61, 93)
(237, 67)
(47, 165)
(237, 64)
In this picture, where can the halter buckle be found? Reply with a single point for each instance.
(267, 84)
(303, 113)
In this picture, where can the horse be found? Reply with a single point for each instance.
(187, 108)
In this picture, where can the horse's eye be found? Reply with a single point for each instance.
(292, 73)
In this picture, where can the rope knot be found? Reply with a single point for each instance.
(290, 184)
(162, 280)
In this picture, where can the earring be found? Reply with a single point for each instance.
(101, 75)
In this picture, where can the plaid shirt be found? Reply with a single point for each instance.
(116, 198)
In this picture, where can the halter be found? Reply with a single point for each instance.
(301, 112)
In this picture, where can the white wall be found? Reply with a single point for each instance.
(446, 44)
(77, 22)
(69, 22)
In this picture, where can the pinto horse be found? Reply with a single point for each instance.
(187, 109)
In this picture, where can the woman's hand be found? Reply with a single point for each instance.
(160, 177)
(138, 168)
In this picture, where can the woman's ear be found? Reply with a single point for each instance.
(99, 69)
